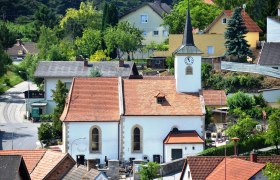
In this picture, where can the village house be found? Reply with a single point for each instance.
(65, 71)
(149, 19)
(220, 167)
(152, 119)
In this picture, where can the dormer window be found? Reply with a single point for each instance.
(160, 98)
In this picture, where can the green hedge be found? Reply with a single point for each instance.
(254, 143)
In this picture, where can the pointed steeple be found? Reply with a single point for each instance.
(187, 46)
(188, 36)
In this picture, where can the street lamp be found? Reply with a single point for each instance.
(28, 89)
(76, 140)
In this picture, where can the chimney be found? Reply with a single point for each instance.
(19, 42)
(121, 63)
(79, 58)
(85, 63)
(253, 156)
(235, 139)
(80, 159)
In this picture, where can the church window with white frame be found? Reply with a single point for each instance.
(95, 139)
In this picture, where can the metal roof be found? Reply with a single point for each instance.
(77, 69)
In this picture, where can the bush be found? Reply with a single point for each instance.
(45, 132)
(46, 117)
(240, 100)
(256, 142)
(149, 171)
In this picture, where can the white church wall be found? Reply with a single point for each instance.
(187, 83)
(155, 129)
(187, 149)
(109, 139)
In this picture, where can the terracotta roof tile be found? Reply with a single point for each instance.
(201, 166)
(139, 97)
(214, 97)
(48, 163)
(235, 169)
(263, 159)
(92, 99)
(249, 22)
(31, 157)
(183, 137)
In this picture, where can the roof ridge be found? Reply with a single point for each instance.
(66, 110)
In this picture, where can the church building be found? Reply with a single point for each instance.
(155, 118)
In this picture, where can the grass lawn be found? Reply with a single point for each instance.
(9, 80)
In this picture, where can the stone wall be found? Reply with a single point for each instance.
(172, 167)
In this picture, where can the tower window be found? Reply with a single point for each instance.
(189, 70)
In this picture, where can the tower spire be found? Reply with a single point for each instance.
(188, 36)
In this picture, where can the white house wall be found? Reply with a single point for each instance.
(154, 24)
(155, 129)
(186, 148)
(271, 96)
(186, 177)
(273, 30)
(187, 83)
(109, 139)
(50, 83)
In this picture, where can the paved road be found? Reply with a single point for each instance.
(15, 131)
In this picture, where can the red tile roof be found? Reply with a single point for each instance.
(235, 169)
(139, 97)
(214, 97)
(249, 23)
(31, 157)
(47, 164)
(92, 99)
(263, 159)
(183, 137)
(201, 166)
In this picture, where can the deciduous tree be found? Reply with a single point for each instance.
(202, 15)
(273, 133)
(272, 171)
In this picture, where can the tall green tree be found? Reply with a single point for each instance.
(46, 40)
(202, 15)
(44, 16)
(7, 37)
(243, 129)
(240, 100)
(5, 60)
(89, 42)
(59, 96)
(237, 47)
(273, 133)
(76, 20)
(124, 37)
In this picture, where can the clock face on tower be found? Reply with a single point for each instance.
(189, 60)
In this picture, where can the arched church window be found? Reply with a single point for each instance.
(136, 139)
(189, 70)
(95, 139)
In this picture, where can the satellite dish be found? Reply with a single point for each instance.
(244, 6)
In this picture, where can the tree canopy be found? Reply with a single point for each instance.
(273, 132)
(202, 15)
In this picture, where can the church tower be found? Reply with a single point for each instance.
(188, 62)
